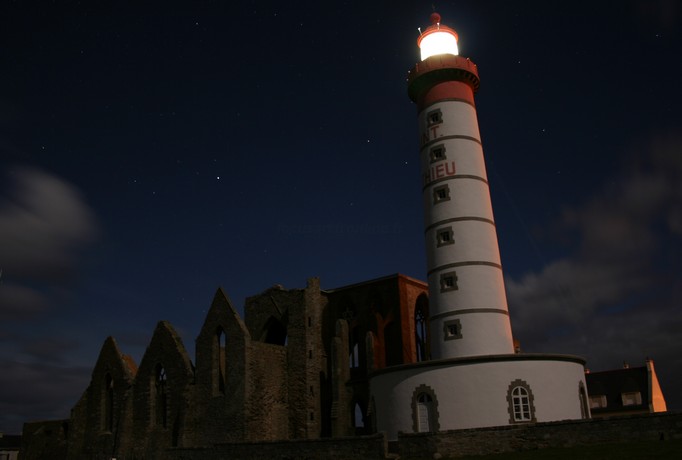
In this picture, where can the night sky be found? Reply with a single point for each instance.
(151, 152)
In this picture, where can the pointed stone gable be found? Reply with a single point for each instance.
(100, 416)
(223, 314)
(110, 358)
(222, 350)
(162, 384)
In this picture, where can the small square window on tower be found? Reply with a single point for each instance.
(434, 117)
(444, 237)
(448, 282)
(437, 153)
(452, 330)
(441, 193)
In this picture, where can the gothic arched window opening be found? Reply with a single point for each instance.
(421, 331)
(108, 412)
(275, 332)
(219, 383)
(161, 406)
(354, 345)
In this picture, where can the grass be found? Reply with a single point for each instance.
(641, 450)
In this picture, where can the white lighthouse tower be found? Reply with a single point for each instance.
(474, 377)
(468, 306)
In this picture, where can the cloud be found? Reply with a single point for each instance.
(20, 302)
(44, 224)
(38, 391)
(616, 296)
(50, 349)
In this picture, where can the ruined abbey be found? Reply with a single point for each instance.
(295, 367)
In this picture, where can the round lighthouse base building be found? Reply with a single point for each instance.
(476, 392)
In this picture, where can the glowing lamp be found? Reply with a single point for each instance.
(437, 39)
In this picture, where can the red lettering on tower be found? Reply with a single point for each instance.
(438, 171)
(430, 134)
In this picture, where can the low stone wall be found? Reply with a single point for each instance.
(483, 441)
(449, 444)
(44, 440)
(351, 448)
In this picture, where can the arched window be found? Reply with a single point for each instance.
(219, 365)
(161, 405)
(274, 332)
(421, 331)
(354, 356)
(424, 410)
(584, 406)
(350, 315)
(354, 348)
(358, 419)
(520, 399)
(521, 403)
(108, 403)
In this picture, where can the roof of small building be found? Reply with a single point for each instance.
(614, 383)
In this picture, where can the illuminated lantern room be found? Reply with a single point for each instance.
(437, 39)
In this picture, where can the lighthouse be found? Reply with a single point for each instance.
(468, 305)
(474, 378)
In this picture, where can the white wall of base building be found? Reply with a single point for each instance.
(472, 393)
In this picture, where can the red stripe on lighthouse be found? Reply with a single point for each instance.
(447, 90)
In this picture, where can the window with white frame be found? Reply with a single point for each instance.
(521, 402)
(424, 410)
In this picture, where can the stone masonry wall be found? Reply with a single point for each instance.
(267, 410)
(483, 441)
(453, 444)
(351, 448)
(44, 440)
